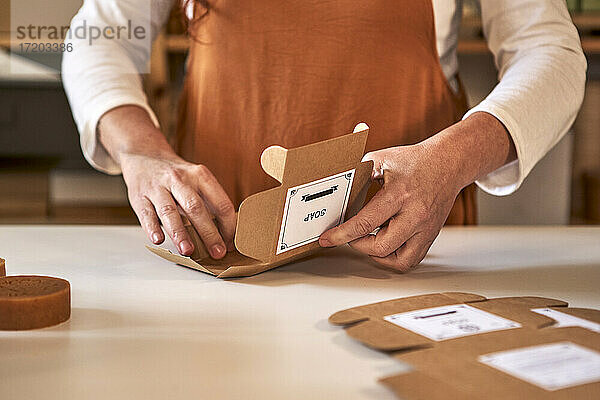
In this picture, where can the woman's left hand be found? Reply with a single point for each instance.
(419, 186)
(415, 199)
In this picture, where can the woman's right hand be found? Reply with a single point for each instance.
(160, 184)
(157, 187)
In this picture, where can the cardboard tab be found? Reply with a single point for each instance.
(322, 185)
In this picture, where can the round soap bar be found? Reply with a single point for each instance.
(31, 302)
(2, 268)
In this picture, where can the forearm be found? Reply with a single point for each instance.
(472, 148)
(129, 130)
(102, 75)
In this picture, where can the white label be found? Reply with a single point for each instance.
(449, 322)
(313, 208)
(550, 366)
(563, 319)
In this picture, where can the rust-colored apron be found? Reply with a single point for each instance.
(265, 72)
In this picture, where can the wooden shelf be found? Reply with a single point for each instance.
(587, 21)
(590, 46)
(583, 22)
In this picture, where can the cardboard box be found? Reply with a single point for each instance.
(322, 185)
(461, 345)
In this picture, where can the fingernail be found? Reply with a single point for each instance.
(156, 237)
(325, 243)
(185, 247)
(217, 251)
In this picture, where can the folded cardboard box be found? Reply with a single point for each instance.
(322, 185)
(464, 346)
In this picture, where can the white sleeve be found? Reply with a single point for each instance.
(103, 73)
(542, 81)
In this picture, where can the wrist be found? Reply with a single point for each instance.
(128, 131)
(473, 148)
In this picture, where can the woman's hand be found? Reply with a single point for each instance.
(414, 201)
(419, 185)
(160, 184)
(159, 187)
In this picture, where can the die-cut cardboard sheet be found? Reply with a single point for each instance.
(322, 185)
(368, 323)
(457, 369)
(462, 366)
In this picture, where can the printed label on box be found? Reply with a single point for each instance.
(313, 208)
(449, 322)
(563, 319)
(550, 366)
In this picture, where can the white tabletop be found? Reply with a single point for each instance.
(142, 328)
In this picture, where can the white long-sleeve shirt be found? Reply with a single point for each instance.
(534, 42)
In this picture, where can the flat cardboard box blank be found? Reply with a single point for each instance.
(453, 371)
(450, 369)
(366, 323)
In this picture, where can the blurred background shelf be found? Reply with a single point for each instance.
(591, 46)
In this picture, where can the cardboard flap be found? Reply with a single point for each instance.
(377, 311)
(232, 265)
(416, 385)
(584, 313)
(317, 160)
(257, 225)
(530, 301)
(272, 161)
(245, 270)
(177, 259)
(518, 309)
(377, 335)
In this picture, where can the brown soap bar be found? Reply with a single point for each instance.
(2, 268)
(31, 302)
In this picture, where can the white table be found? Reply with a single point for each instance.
(142, 328)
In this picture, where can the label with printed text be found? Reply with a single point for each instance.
(564, 319)
(551, 366)
(449, 322)
(313, 208)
